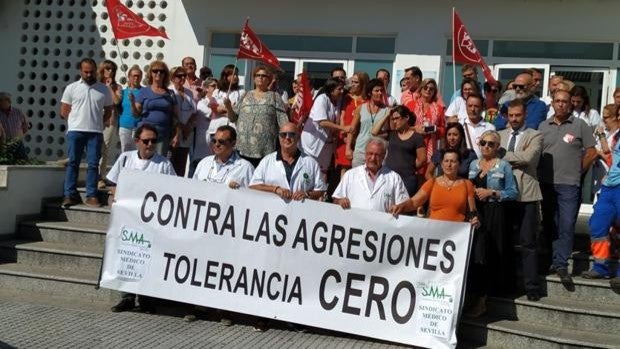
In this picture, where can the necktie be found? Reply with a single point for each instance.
(513, 140)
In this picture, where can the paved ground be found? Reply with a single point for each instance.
(31, 322)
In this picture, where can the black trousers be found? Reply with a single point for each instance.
(524, 222)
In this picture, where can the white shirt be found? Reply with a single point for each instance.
(458, 107)
(593, 119)
(187, 109)
(306, 174)
(475, 131)
(130, 159)
(388, 189)
(235, 169)
(201, 148)
(87, 105)
(314, 137)
(235, 96)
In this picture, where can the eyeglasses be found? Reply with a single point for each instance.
(181, 76)
(490, 144)
(287, 134)
(158, 71)
(220, 141)
(517, 87)
(134, 75)
(261, 75)
(148, 141)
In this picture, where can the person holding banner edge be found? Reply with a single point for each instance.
(146, 159)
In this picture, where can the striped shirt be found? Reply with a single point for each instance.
(14, 123)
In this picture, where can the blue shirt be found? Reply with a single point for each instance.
(157, 110)
(126, 119)
(613, 177)
(499, 178)
(535, 113)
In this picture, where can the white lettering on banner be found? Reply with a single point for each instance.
(313, 263)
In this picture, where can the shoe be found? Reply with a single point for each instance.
(533, 296)
(101, 184)
(92, 202)
(190, 318)
(565, 277)
(260, 326)
(296, 327)
(148, 309)
(478, 309)
(69, 201)
(125, 304)
(593, 274)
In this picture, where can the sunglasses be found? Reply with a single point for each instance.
(158, 71)
(429, 88)
(181, 76)
(220, 141)
(135, 76)
(287, 134)
(490, 144)
(261, 75)
(148, 141)
(517, 87)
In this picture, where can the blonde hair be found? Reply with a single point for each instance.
(158, 65)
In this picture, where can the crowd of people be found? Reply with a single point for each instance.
(495, 157)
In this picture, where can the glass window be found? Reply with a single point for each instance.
(218, 62)
(447, 88)
(371, 67)
(481, 45)
(225, 40)
(289, 42)
(540, 49)
(376, 45)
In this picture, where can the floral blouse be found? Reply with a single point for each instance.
(258, 123)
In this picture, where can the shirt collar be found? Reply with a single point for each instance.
(570, 119)
(279, 155)
(231, 159)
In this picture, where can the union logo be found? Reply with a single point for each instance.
(466, 45)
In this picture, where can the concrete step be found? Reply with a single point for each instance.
(78, 213)
(55, 282)
(43, 254)
(584, 290)
(498, 332)
(584, 316)
(583, 261)
(69, 233)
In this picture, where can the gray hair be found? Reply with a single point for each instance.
(379, 141)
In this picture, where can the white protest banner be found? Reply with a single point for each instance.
(362, 272)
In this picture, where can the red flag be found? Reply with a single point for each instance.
(126, 24)
(251, 47)
(464, 49)
(303, 101)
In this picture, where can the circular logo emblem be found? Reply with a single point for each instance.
(466, 45)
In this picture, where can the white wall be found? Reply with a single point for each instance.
(21, 190)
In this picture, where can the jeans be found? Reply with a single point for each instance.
(77, 141)
(560, 206)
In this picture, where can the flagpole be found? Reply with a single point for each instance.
(234, 70)
(120, 56)
(453, 60)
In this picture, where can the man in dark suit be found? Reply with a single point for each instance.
(522, 146)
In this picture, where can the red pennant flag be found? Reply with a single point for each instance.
(251, 47)
(464, 49)
(303, 101)
(126, 24)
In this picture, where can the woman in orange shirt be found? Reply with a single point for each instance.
(450, 198)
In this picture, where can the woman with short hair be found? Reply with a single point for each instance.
(106, 74)
(128, 118)
(187, 119)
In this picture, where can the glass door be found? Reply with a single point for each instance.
(507, 72)
(595, 81)
(319, 70)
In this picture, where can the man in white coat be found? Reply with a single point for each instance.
(371, 186)
(289, 172)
